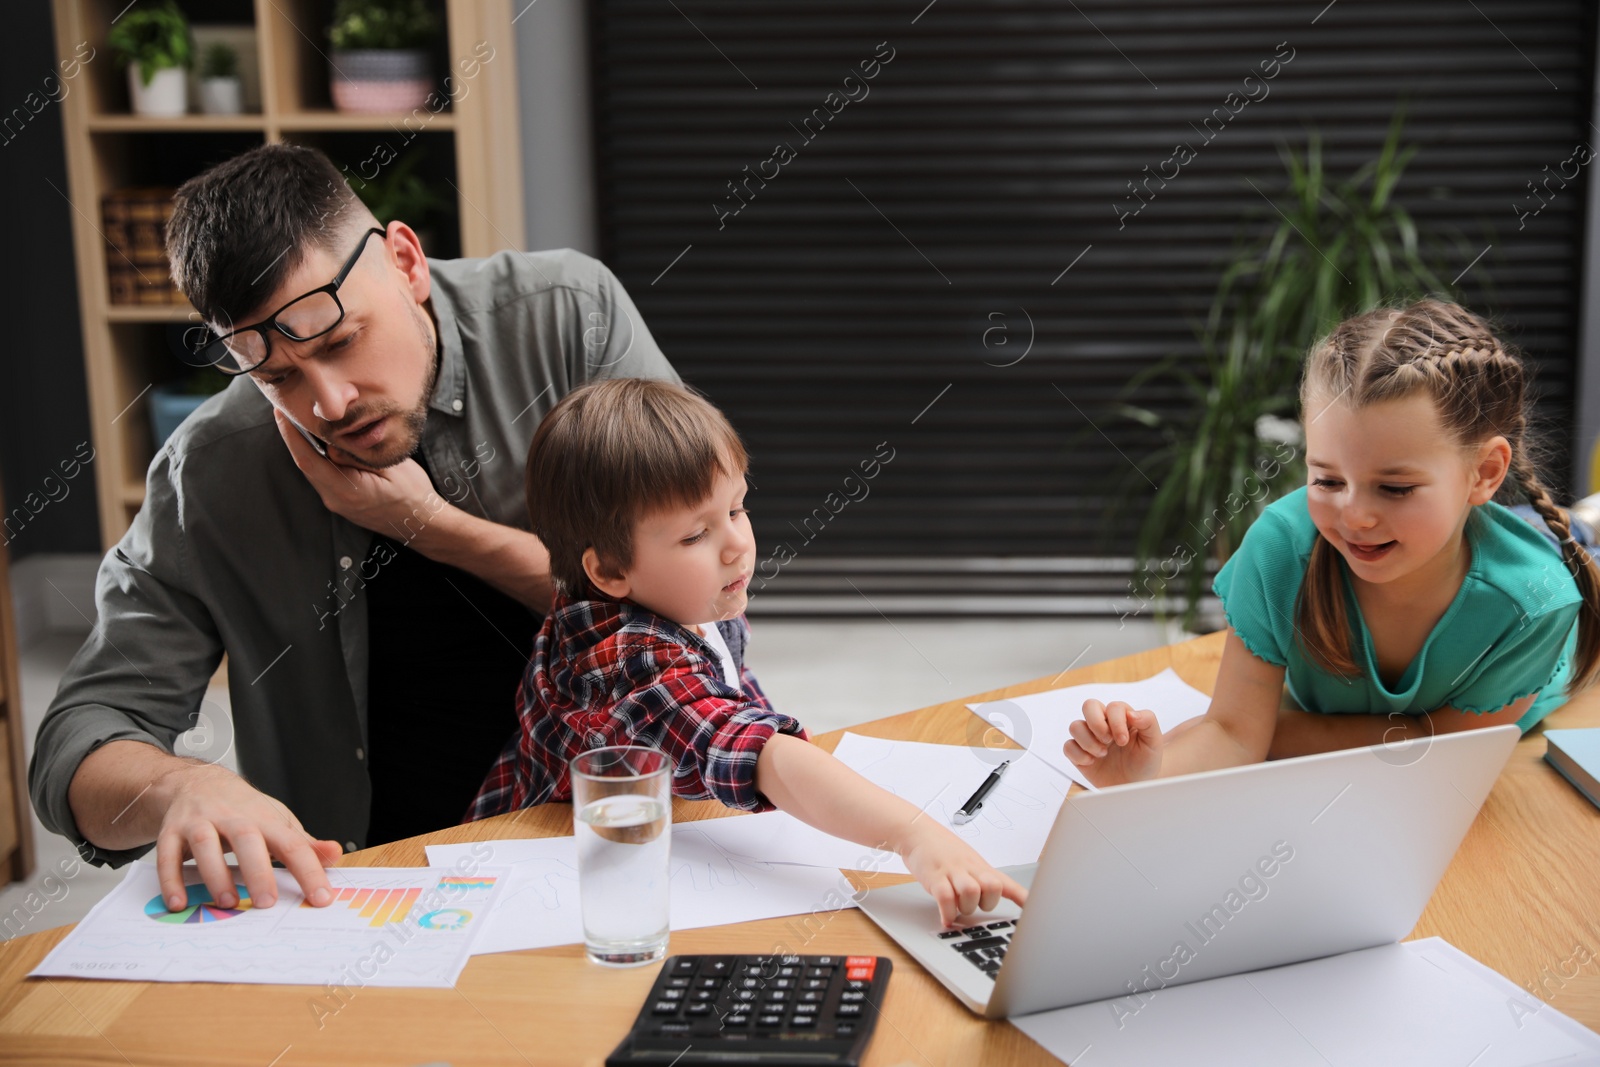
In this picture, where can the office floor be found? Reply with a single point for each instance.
(830, 674)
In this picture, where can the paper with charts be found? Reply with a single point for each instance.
(387, 926)
(710, 886)
(1038, 722)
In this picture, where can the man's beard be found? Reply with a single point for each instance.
(404, 443)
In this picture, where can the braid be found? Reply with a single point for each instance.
(1452, 356)
(1578, 563)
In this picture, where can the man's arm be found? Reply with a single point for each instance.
(189, 808)
(102, 774)
(1300, 733)
(400, 502)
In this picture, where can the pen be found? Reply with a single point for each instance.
(968, 811)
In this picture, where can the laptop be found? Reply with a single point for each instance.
(1175, 880)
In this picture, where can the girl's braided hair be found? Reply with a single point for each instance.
(1478, 386)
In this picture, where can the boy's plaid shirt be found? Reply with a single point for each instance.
(608, 672)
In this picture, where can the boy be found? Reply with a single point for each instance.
(637, 489)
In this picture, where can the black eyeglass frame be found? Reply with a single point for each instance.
(270, 323)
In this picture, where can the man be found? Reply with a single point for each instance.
(345, 522)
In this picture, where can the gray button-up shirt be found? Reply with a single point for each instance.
(234, 552)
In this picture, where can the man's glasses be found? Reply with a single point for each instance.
(304, 318)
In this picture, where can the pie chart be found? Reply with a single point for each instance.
(200, 909)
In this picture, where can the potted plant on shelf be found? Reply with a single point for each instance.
(220, 91)
(154, 44)
(380, 60)
(1333, 249)
(401, 193)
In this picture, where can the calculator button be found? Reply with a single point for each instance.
(847, 1009)
(855, 984)
(683, 965)
(680, 982)
(665, 1007)
(783, 983)
(709, 983)
(750, 983)
(851, 997)
(699, 1009)
(738, 1018)
(844, 1029)
(717, 966)
(777, 996)
(704, 995)
(812, 997)
(827, 961)
(805, 1009)
(674, 1028)
(788, 972)
(858, 974)
(819, 972)
(803, 1020)
(816, 983)
(744, 995)
(770, 1020)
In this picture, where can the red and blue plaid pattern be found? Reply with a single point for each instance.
(608, 672)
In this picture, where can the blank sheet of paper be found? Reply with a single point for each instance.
(1418, 1004)
(710, 886)
(1039, 722)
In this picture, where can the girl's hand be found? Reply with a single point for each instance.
(953, 873)
(1115, 743)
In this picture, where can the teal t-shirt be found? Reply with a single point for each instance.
(1510, 631)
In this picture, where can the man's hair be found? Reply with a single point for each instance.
(616, 451)
(239, 229)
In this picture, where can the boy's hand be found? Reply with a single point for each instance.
(1115, 743)
(953, 873)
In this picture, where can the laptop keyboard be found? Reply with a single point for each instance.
(982, 946)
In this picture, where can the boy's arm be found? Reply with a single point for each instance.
(816, 788)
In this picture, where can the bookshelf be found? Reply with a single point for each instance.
(473, 144)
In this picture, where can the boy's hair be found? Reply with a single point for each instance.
(239, 229)
(1477, 384)
(613, 452)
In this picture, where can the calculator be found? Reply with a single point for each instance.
(778, 1011)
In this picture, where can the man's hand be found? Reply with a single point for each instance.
(129, 793)
(958, 879)
(213, 811)
(382, 501)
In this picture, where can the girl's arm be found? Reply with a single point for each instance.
(1300, 733)
(1116, 743)
(816, 788)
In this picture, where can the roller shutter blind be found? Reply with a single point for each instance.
(960, 208)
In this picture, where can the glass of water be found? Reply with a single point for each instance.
(622, 816)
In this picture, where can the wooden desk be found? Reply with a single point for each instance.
(1523, 896)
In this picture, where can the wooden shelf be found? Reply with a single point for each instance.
(317, 121)
(475, 144)
(182, 124)
(151, 313)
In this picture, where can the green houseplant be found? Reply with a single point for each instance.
(379, 59)
(220, 91)
(1332, 248)
(401, 193)
(154, 43)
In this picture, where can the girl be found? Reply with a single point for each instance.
(1394, 597)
